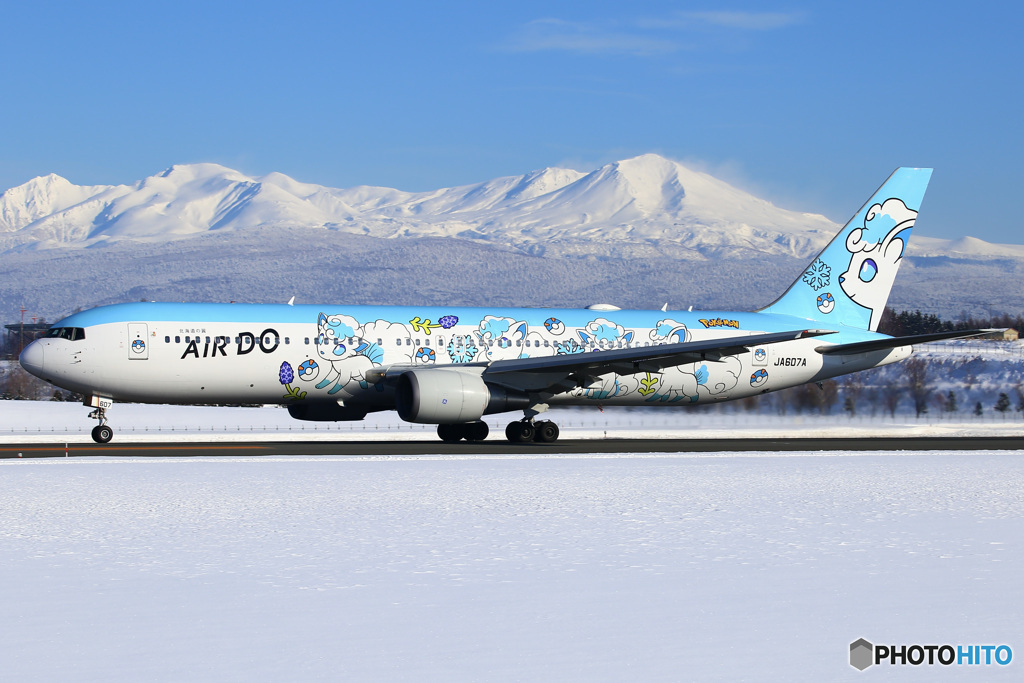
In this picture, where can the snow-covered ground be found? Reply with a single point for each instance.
(50, 422)
(499, 568)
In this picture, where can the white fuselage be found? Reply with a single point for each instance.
(276, 359)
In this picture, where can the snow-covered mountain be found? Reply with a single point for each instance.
(644, 199)
(620, 234)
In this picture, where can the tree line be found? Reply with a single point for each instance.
(906, 322)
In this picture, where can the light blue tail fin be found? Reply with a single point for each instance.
(849, 281)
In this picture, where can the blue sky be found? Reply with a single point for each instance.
(809, 105)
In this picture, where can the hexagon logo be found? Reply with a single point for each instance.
(862, 654)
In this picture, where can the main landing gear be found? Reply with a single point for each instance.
(526, 430)
(101, 433)
(470, 431)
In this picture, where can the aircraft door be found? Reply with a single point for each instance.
(138, 341)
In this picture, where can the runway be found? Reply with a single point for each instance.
(502, 447)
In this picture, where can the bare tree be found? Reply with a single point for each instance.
(872, 399)
(852, 388)
(17, 384)
(916, 373)
(829, 396)
(892, 392)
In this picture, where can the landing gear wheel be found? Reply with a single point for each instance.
(102, 433)
(476, 431)
(520, 432)
(547, 432)
(450, 433)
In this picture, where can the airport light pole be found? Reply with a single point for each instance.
(21, 338)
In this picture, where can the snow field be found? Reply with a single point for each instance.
(569, 568)
(54, 422)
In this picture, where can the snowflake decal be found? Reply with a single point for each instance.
(817, 274)
(462, 352)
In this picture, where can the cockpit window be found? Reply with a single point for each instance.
(69, 333)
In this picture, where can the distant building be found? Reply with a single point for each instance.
(19, 335)
(1009, 334)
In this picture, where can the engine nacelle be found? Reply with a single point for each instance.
(442, 396)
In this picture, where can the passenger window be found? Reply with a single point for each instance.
(398, 342)
(408, 341)
(307, 341)
(167, 340)
(380, 342)
(177, 339)
(286, 341)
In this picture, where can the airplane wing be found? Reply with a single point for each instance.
(564, 371)
(895, 342)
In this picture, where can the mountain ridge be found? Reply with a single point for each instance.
(645, 198)
(636, 232)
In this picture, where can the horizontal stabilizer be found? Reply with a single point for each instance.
(896, 342)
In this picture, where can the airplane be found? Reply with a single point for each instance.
(450, 366)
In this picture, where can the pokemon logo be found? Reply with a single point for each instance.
(720, 322)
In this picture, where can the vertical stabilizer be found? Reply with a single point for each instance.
(848, 283)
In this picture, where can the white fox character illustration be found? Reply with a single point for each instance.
(874, 262)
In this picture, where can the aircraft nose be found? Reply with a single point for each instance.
(31, 358)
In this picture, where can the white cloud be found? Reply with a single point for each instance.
(555, 34)
(642, 37)
(744, 21)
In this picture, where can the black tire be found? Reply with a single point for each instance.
(450, 433)
(547, 432)
(102, 433)
(520, 432)
(477, 431)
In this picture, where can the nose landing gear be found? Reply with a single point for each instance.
(101, 433)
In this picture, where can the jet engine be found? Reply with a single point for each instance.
(442, 396)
